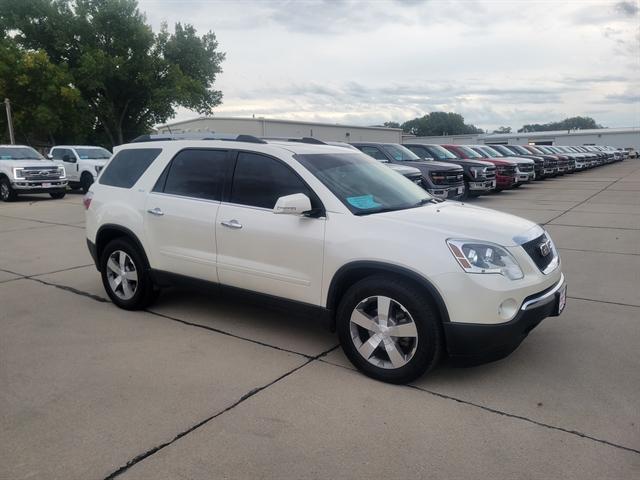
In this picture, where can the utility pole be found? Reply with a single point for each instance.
(7, 105)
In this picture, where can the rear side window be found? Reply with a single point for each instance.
(259, 181)
(127, 166)
(195, 173)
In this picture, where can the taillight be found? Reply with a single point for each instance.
(86, 200)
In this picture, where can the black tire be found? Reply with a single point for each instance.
(7, 193)
(517, 185)
(86, 181)
(57, 195)
(466, 195)
(145, 291)
(429, 346)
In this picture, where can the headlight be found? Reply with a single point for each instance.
(18, 173)
(62, 171)
(478, 171)
(484, 257)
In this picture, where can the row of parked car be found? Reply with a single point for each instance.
(455, 172)
(461, 171)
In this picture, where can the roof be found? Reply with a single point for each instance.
(77, 146)
(556, 133)
(273, 120)
(266, 147)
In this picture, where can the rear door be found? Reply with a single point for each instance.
(180, 213)
(258, 250)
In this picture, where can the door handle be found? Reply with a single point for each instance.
(231, 223)
(155, 211)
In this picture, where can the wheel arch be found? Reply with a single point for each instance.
(353, 272)
(109, 232)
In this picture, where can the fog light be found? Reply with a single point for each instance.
(507, 309)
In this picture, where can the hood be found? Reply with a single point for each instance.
(468, 162)
(431, 166)
(27, 163)
(464, 221)
(403, 170)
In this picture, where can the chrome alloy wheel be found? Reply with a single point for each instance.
(122, 275)
(4, 191)
(383, 332)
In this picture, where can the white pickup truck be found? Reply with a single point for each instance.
(81, 162)
(23, 170)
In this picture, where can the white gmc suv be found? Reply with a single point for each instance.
(404, 278)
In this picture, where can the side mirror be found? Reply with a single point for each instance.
(49, 156)
(68, 158)
(295, 204)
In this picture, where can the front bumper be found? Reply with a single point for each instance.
(45, 186)
(474, 344)
(446, 192)
(482, 186)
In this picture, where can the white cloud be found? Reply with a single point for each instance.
(366, 62)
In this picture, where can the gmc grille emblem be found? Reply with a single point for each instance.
(545, 248)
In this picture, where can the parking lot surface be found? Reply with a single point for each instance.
(202, 387)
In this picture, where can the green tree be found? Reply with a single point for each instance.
(47, 108)
(571, 123)
(439, 123)
(129, 78)
(503, 130)
(391, 125)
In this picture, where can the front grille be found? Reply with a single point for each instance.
(533, 248)
(447, 177)
(41, 173)
(525, 167)
(506, 170)
(490, 173)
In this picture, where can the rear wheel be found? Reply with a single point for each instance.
(7, 193)
(389, 330)
(125, 275)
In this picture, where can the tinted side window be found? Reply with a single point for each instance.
(196, 173)
(259, 181)
(127, 166)
(418, 150)
(57, 153)
(373, 152)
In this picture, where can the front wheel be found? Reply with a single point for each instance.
(125, 275)
(86, 181)
(58, 195)
(7, 193)
(389, 329)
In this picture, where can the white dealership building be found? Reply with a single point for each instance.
(615, 137)
(266, 127)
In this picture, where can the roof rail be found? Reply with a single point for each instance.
(160, 137)
(310, 140)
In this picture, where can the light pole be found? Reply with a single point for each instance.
(7, 105)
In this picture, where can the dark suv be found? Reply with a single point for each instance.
(442, 180)
(479, 176)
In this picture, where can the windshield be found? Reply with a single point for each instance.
(470, 153)
(491, 152)
(362, 184)
(19, 153)
(400, 153)
(519, 149)
(502, 149)
(93, 153)
(440, 153)
(533, 149)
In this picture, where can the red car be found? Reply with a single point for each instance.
(505, 171)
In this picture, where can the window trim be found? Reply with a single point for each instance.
(226, 196)
(165, 174)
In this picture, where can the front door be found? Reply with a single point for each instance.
(259, 250)
(67, 158)
(180, 214)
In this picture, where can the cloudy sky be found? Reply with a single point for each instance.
(500, 62)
